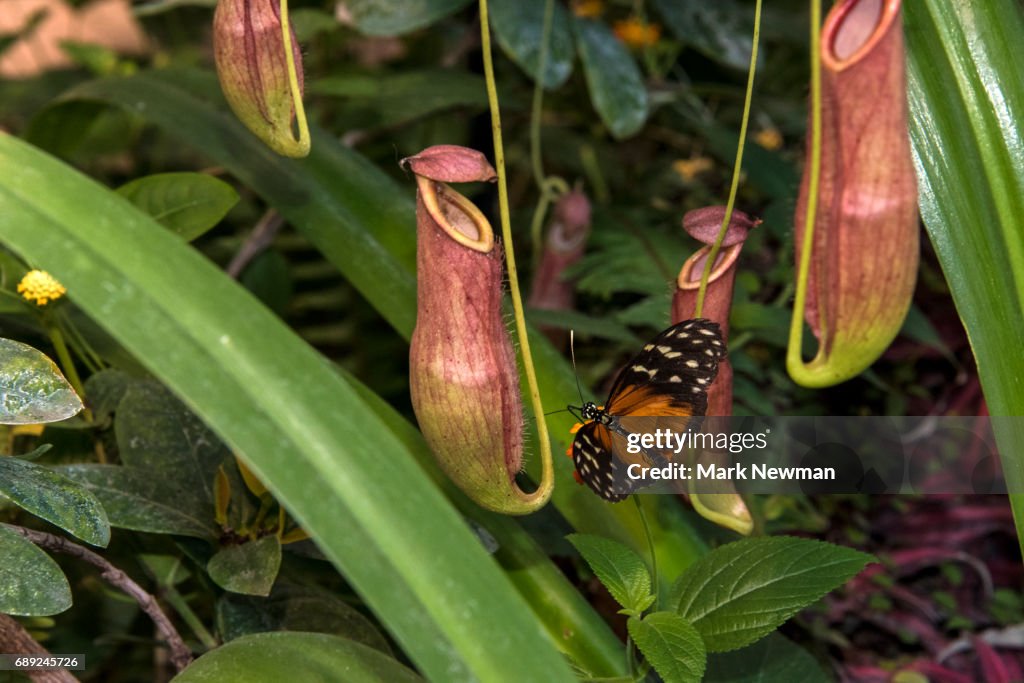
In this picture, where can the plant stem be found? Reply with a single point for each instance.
(737, 167)
(15, 638)
(181, 656)
(650, 548)
(794, 357)
(550, 188)
(180, 605)
(547, 480)
(66, 362)
(538, 97)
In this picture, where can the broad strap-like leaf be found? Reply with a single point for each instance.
(742, 591)
(965, 86)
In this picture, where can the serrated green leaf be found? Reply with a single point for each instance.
(32, 388)
(138, 499)
(518, 26)
(671, 645)
(395, 17)
(774, 659)
(616, 85)
(742, 591)
(188, 204)
(249, 568)
(287, 656)
(619, 568)
(55, 498)
(31, 583)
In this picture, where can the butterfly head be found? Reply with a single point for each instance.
(588, 412)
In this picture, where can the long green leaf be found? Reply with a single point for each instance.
(363, 222)
(273, 398)
(966, 90)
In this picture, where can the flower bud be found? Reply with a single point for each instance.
(564, 245)
(865, 244)
(725, 507)
(263, 87)
(463, 377)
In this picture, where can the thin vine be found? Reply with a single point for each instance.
(539, 497)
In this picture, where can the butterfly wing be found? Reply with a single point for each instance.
(668, 378)
(596, 466)
(671, 374)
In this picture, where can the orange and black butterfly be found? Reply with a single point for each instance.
(668, 378)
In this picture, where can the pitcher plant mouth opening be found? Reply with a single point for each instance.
(565, 238)
(692, 270)
(853, 29)
(456, 215)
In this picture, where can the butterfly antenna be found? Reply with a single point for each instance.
(572, 354)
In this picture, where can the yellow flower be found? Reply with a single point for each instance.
(588, 9)
(688, 169)
(769, 138)
(40, 287)
(636, 33)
